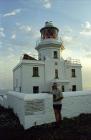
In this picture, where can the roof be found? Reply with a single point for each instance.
(28, 61)
(28, 57)
(49, 24)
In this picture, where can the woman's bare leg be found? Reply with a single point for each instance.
(58, 116)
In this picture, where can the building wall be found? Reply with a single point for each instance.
(50, 66)
(64, 74)
(47, 52)
(76, 80)
(75, 103)
(79, 78)
(28, 81)
(23, 75)
(17, 79)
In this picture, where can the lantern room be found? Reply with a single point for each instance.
(49, 31)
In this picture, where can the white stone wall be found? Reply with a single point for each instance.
(75, 103)
(32, 109)
(24, 105)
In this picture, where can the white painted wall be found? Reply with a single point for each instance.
(16, 102)
(73, 80)
(1, 100)
(78, 79)
(23, 75)
(73, 104)
(28, 81)
(17, 78)
(48, 52)
(27, 107)
(5, 101)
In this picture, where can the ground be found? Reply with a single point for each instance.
(77, 128)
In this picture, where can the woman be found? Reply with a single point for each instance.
(57, 103)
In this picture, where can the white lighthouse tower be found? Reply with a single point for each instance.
(33, 76)
(49, 45)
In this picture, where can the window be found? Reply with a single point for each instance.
(35, 89)
(20, 89)
(62, 88)
(35, 72)
(73, 87)
(55, 54)
(56, 73)
(73, 73)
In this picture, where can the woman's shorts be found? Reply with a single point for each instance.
(57, 106)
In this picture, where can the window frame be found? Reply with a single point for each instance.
(63, 88)
(73, 73)
(35, 71)
(55, 54)
(56, 74)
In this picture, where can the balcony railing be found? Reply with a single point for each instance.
(72, 61)
(47, 41)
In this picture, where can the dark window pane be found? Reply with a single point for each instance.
(73, 73)
(35, 89)
(63, 89)
(35, 71)
(55, 54)
(73, 87)
(56, 73)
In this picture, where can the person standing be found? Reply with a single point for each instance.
(57, 103)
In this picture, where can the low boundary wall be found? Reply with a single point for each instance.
(32, 109)
(36, 109)
(75, 103)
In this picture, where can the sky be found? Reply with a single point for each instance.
(20, 24)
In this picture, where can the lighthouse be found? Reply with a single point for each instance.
(38, 75)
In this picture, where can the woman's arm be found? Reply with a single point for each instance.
(59, 97)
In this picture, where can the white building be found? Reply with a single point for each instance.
(33, 76)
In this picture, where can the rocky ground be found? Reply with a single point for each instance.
(77, 128)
